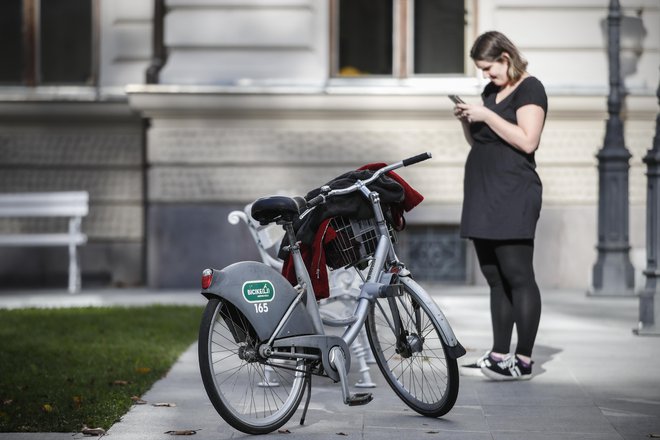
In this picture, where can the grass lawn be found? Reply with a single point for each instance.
(61, 369)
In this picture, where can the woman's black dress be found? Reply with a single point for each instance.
(502, 192)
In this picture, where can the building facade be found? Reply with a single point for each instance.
(258, 97)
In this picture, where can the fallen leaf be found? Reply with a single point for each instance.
(164, 404)
(95, 432)
(284, 431)
(143, 370)
(138, 401)
(7, 402)
(120, 382)
(47, 408)
(184, 432)
(77, 401)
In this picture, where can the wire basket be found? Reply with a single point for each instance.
(356, 241)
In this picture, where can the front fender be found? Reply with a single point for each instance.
(455, 349)
(263, 296)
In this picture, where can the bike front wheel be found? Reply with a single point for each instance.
(406, 343)
(252, 394)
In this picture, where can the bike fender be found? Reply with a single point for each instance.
(263, 295)
(456, 350)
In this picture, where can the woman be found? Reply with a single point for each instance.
(502, 198)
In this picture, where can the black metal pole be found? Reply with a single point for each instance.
(613, 274)
(648, 307)
(159, 51)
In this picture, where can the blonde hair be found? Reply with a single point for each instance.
(492, 47)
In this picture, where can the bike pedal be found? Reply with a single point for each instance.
(360, 399)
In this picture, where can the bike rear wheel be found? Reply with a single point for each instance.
(412, 356)
(254, 395)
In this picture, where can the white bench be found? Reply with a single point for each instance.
(72, 204)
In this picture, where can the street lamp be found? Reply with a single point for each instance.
(613, 273)
(649, 309)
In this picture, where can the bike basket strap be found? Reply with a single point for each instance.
(355, 241)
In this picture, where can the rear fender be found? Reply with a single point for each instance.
(263, 296)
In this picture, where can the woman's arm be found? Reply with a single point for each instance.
(524, 136)
(465, 124)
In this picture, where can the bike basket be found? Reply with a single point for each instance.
(356, 241)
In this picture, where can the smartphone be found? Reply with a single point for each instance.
(456, 99)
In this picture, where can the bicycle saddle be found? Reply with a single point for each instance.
(273, 208)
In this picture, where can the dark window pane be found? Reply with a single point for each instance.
(439, 38)
(434, 253)
(365, 37)
(11, 41)
(66, 41)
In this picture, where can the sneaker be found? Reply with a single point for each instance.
(509, 368)
(474, 369)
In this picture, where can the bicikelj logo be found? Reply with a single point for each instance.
(258, 291)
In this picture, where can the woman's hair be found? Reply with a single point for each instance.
(492, 45)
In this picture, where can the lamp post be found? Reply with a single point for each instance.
(613, 274)
(648, 307)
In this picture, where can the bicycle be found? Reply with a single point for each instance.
(255, 319)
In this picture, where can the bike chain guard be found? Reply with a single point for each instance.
(323, 343)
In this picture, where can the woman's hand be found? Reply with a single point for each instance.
(458, 113)
(472, 112)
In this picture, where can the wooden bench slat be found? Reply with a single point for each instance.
(47, 204)
(43, 211)
(62, 239)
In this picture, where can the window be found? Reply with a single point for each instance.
(398, 38)
(47, 42)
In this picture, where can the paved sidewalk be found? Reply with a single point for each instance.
(594, 380)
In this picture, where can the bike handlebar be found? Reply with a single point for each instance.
(315, 201)
(415, 159)
(337, 192)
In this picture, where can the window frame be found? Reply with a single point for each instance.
(31, 47)
(403, 52)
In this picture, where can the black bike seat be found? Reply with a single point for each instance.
(273, 208)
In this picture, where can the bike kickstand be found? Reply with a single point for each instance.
(309, 396)
(338, 362)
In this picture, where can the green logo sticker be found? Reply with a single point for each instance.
(258, 291)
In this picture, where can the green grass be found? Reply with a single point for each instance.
(59, 367)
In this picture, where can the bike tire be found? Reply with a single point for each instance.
(419, 370)
(253, 395)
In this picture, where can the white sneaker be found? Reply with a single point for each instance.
(509, 368)
(474, 369)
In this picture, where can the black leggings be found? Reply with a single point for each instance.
(514, 295)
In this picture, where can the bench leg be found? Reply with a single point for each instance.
(74, 269)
